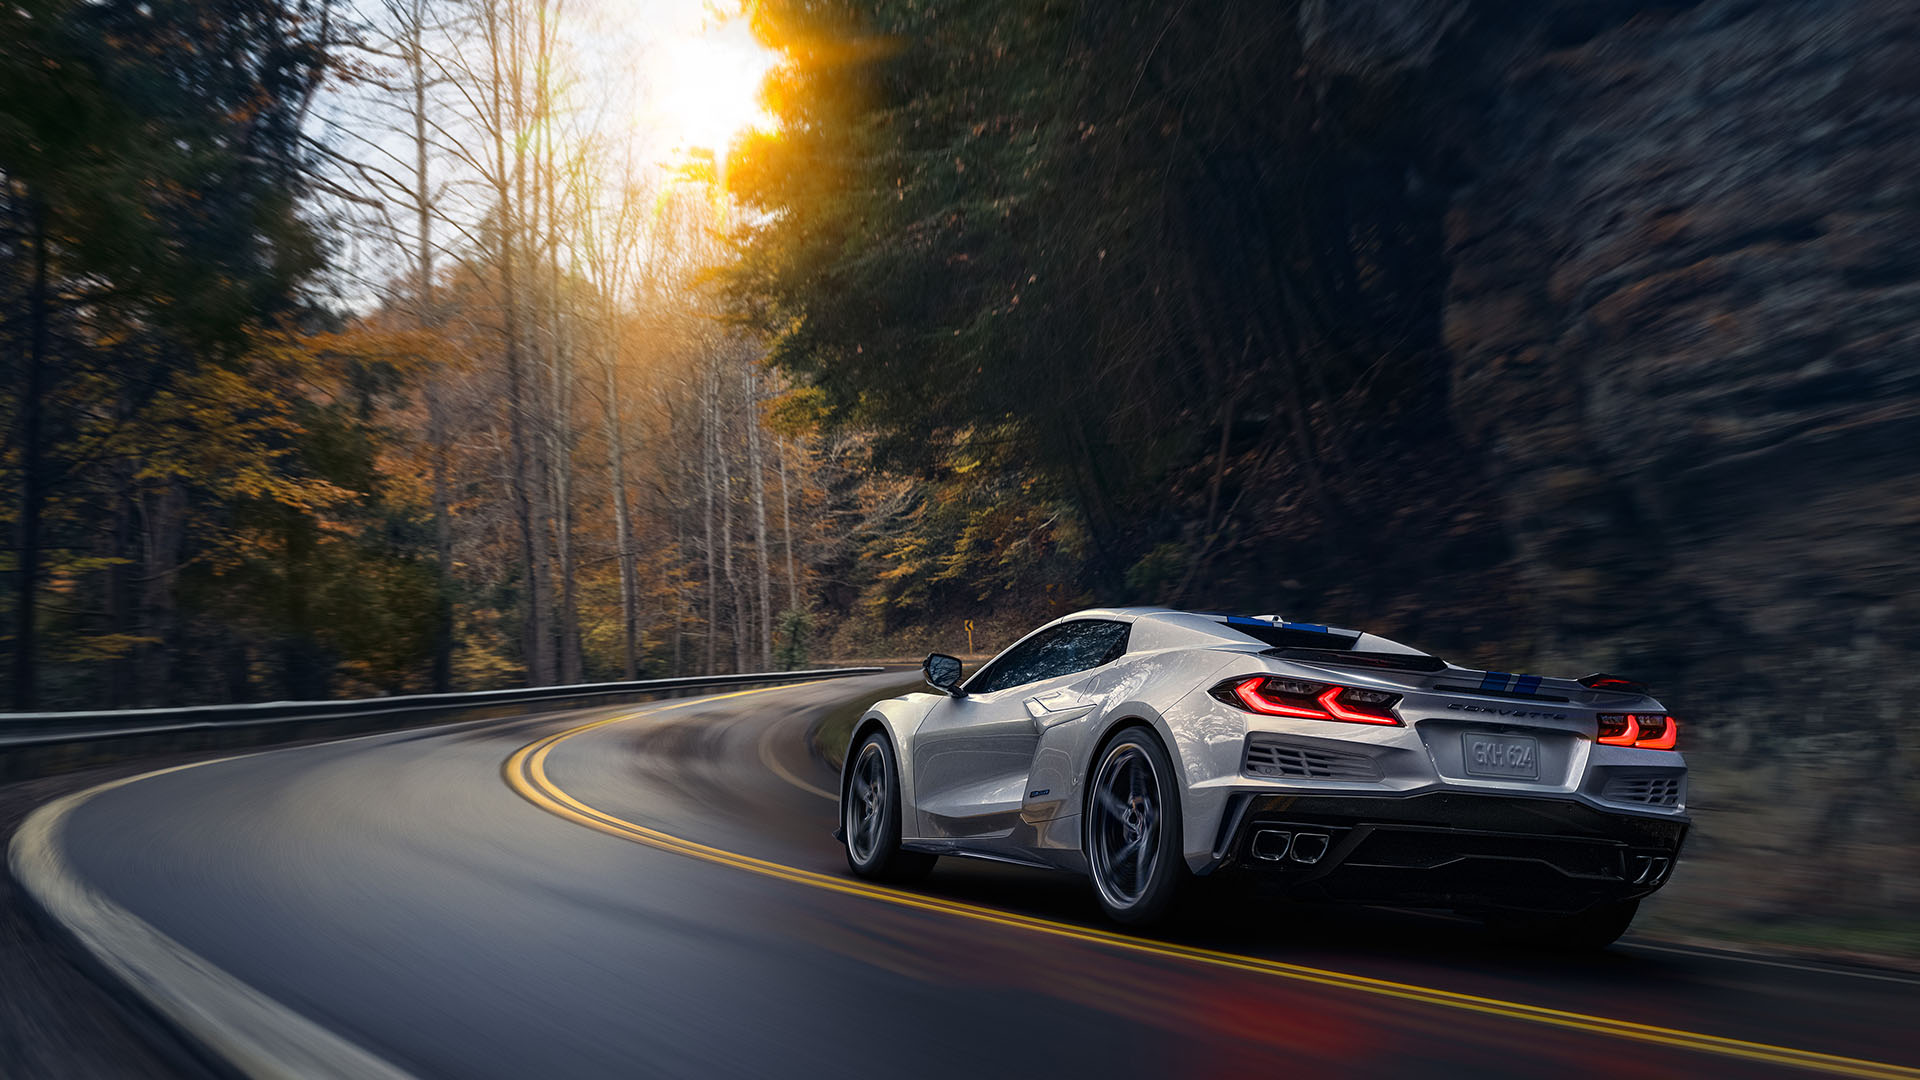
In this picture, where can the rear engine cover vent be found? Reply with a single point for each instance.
(1270, 755)
(1646, 790)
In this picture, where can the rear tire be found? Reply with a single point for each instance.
(1589, 931)
(870, 816)
(1133, 836)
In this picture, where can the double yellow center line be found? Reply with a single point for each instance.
(526, 773)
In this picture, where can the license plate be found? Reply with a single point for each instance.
(1512, 757)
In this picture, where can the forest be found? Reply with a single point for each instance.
(353, 350)
(365, 348)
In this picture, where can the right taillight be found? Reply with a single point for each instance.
(1658, 731)
(1648, 731)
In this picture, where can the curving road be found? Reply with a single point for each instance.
(654, 891)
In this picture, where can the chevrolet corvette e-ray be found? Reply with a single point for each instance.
(1146, 747)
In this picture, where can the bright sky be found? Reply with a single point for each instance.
(646, 80)
(691, 68)
(705, 89)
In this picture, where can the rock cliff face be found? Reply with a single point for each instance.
(1684, 319)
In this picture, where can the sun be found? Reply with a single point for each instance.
(704, 86)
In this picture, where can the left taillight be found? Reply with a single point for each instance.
(1270, 695)
(1648, 731)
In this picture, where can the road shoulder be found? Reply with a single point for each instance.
(242, 1029)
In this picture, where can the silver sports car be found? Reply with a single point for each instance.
(1145, 747)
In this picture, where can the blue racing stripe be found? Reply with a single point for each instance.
(1494, 680)
(1527, 684)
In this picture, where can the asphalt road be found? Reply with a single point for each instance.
(660, 895)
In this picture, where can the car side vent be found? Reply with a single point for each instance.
(1268, 755)
(1646, 790)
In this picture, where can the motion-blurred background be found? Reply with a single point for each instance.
(394, 345)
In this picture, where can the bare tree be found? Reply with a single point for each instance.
(496, 179)
(503, 120)
(412, 21)
(757, 473)
(710, 468)
(610, 239)
(786, 527)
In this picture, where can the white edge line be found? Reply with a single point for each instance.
(257, 1036)
(254, 1034)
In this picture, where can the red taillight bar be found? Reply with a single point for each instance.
(1666, 740)
(1626, 737)
(1247, 693)
(1661, 732)
(1330, 702)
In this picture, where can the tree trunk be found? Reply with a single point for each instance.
(622, 521)
(786, 526)
(303, 662)
(442, 674)
(528, 511)
(757, 466)
(568, 639)
(235, 669)
(164, 514)
(679, 623)
(741, 618)
(442, 671)
(526, 225)
(33, 493)
(679, 597)
(535, 644)
(738, 619)
(560, 363)
(708, 454)
(121, 575)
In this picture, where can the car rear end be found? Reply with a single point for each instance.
(1391, 777)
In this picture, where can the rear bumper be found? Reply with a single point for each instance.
(1464, 851)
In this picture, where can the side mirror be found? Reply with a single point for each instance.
(943, 674)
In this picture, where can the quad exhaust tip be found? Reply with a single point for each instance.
(1278, 845)
(1271, 845)
(1649, 870)
(1309, 847)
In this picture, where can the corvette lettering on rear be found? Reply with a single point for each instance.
(1517, 714)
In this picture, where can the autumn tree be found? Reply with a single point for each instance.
(153, 175)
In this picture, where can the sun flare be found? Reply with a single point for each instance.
(703, 87)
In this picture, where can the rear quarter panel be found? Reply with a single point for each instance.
(1166, 691)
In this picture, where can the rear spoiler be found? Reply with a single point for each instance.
(1600, 680)
(1350, 658)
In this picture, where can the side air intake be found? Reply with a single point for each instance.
(1269, 755)
(1646, 790)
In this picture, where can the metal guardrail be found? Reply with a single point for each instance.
(36, 735)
